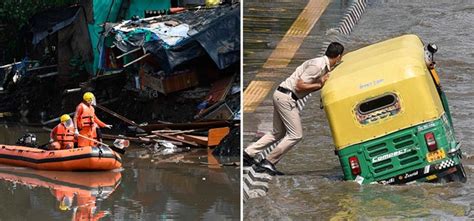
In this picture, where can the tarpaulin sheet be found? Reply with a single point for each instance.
(214, 32)
(222, 39)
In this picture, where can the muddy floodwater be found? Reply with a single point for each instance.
(184, 187)
(313, 187)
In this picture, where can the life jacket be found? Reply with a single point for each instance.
(87, 117)
(65, 136)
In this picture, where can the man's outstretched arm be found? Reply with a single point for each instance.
(302, 86)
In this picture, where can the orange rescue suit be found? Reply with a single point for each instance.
(86, 122)
(86, 204)
(63, 135)
(86, 207)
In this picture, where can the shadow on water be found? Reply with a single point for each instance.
(145, 189)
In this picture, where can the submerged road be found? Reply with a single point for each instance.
(313, 187)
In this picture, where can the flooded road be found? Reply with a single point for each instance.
(184, 188)
(313, 187)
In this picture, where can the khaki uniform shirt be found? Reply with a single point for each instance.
(309, 72)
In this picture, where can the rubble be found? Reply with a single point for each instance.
(181, 68)
(179, 38)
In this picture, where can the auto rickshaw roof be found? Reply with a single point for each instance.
(395, 66)
(387, 62)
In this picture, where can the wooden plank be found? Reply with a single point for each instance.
(136, 60)
(152, 138)
(216, 135)
(220, 89)
(223, 112)
(117, 115)
(189, 126)
(201, 140)
(173, 132)
(129, 52)
(178, 139)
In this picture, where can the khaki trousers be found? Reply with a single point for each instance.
(286, 127)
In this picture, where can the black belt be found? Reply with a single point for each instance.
(287, 91)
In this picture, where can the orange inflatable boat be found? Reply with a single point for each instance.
(78, 159)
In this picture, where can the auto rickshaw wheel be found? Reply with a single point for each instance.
(458, 176)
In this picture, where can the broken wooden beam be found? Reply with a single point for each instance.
(178, 139)
(189, 126)
(48, 75)
(43, 67)
(172, 131)
(201, 140)
(117, 115)
(216, 135)
(129, 52)
(9, 65)
(72, 90)
(136, 60)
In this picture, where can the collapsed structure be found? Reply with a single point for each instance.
(162, 64)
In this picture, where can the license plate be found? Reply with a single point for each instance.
(436, 155)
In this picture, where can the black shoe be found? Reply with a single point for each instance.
(268, 167)
(248, 160)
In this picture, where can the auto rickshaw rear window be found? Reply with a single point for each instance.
(377, 103)
(377, 108)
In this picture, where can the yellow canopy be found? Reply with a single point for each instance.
(396, 67)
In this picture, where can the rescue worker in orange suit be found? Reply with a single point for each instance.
(86, 121)
(62, 136)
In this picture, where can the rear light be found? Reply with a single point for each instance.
(431, 142)
(355, 166)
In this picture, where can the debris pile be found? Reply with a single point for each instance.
(171, 138)
(180, 67)
(173, 40)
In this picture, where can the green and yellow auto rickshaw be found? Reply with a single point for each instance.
(389, 118)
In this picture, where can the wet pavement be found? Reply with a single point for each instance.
(313, 187)
(183, 187)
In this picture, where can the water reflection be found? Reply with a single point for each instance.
(76, 194)
(189, 191)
